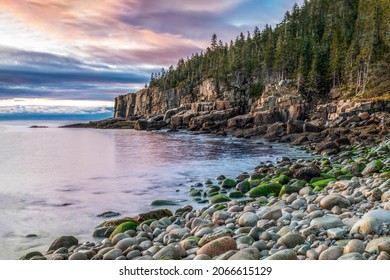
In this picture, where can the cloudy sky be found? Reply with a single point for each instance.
(58, 55)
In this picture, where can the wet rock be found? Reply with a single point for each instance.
(63, 241)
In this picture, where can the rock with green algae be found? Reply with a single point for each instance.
(147, 222)
(195, 192)
(282, 179)
(255, 183)
(289, 189)
(153, 214)
(124, 227)
(237, 194)
(219, 198)
(243, 186)
(162, 202)
(228, 183)
(323, 183)
(372, 167)
(266, 189)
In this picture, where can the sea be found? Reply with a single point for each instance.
(56, 181)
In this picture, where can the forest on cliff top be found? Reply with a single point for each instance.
(322, 47)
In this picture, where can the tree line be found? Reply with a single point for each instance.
(322, 45)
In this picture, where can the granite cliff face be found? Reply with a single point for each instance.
(208, 96)
(229, 109)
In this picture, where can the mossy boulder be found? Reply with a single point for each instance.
(323, 183)
(219, 198)
(228, 183)
(327, 176)
(257, 176)
(281, 171)
(237, 194)
(315, 179)
(354, 168)
(255, 183)
(385, 175)
(347, 176)
(318, 189)
(161, 202)
(265, 189)
(289, 189)
(147, 222)
(124, 227)
(372, 167)
(243, 186)
(195, 192)
(282, 179)
(307, 172)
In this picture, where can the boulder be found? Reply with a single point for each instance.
(63, 241)
(307, 173)
(372, 167)
(168, 252)
(331, 200)
(218, 246)
(291, 240)
(286, 254)
(326, 222)
(367, 225)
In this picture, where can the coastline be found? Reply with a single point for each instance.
(313, 209)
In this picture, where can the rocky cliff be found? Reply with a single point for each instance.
(208, 96)
(229, 109)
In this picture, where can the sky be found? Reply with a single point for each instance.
(75, 56)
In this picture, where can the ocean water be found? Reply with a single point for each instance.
(55, 181)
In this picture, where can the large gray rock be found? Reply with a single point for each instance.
(113, 254)
(352, 257)
(246, 254)
(287, 254)
(327, 222)
(372, 246)
(248, 219)
(63, 241)
(168, 252)
(380, 214)
(291, 240)
(78, 256)
(367, 225)
(329, 201)
(126, 243)
(336, 233)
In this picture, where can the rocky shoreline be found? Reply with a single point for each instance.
(325, 208)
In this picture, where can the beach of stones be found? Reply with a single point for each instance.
(314, 209)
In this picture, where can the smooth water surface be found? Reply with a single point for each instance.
(55, 181)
